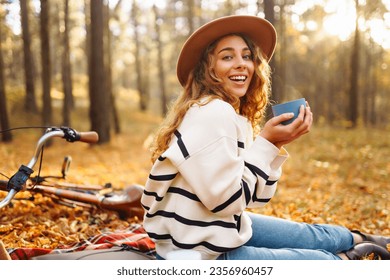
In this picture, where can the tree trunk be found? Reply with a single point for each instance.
(87, 13)
(280, 81)
(45, 59)
(275, 96)
(30, 104)
(353, 89)
(160, 63)
(110, 92)
(191, 14)
(372, 118)
(68, 103)
(99, 99)
(143, 100)
(6, 136)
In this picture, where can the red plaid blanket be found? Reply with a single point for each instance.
(135, 237)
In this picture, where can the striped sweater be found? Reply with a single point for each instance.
(198, 189)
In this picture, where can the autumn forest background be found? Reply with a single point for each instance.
(109, 66)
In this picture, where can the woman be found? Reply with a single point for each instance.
(208, 166)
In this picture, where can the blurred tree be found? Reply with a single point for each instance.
(180, 21)
(352, 109)
(314, 75)
(68, 103)
(56, 14)
(46, 66)
(30, 104)
(371, 60)
(6, 136)
(100, 107)
(269, 8)
(87, 45)
(191, 15)
(283, 38)
(143, 97)
(108, 64)
(160, 63)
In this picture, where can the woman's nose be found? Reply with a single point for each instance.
(240, 63)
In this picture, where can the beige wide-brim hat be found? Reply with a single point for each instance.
(258, 29)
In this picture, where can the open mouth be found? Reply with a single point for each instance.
(238, 78)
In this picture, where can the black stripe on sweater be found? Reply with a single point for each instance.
(166, 177)
(161, 158)
(270, 183)
(247, 191)
(238, 221)
(189, 222)
(257, 171)
(233, 198)
(157, 197)
(182, 147)
(263, 200)
(190, 246)
(256, 199)
(183, 193)
(145, 207)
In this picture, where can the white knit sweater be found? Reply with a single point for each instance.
(198, 189)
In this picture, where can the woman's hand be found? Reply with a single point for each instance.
(279, 134)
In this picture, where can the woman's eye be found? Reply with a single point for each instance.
(227, 57)
(247, 57)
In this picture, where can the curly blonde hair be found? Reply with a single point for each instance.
(202, 83)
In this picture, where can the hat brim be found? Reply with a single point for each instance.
(258, 29)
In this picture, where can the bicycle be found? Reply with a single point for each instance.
(126, 202)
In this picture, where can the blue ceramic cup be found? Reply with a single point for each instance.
(289, 107)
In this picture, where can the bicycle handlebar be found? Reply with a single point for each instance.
(18, 180)
(89, 137)
(8, 198)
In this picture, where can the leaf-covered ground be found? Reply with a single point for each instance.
(333, 176)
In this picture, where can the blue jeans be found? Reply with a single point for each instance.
(280, 239)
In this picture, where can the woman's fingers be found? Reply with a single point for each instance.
(281, 118)
(303, 122)
(279, 134)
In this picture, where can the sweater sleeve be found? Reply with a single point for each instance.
(267, 174)
(225, 180)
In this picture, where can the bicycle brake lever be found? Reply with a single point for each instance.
(65, 166)
(17, 181)
(70, 134)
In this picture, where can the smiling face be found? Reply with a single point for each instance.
(233, 65)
